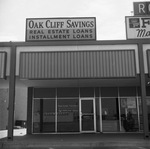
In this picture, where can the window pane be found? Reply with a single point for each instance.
(87, 122)
(68, 92)
(113, 92)
(44, 93)
(129, 114)
(68, 115)
(110, 115)
(140, 114)
(97, 92)
(148, 91)
(48, 124)
(44, 115)
(148, 109)
(87, 106)
(36, 116)
(127, 91)
(87, 92)
(97, 115)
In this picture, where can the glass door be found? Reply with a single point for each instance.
(87, 115)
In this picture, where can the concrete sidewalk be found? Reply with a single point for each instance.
(64, 141)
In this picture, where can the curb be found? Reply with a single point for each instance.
(16, 145)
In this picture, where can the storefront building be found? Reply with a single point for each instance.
(62, 80)
(76, 86)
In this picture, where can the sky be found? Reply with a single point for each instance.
(110, 15)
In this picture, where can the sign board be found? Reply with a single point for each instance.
(141, 8)
(131, 102)
(54, 29)
(138, 27)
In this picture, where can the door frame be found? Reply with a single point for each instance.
(80, 114)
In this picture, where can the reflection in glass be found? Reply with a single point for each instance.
(68, 115)
(86, 92)
(44, 115)
(110, 115)
(87, 106)
(36, 116)
(140, 115)
(129, 114)
(148, 109)
(97, 115)
(48, 117)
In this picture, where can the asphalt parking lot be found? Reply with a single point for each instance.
(73, 141)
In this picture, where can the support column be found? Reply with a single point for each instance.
(12, 81)
(143, 91)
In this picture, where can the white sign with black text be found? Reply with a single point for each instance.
(46, 29)
(138, 27)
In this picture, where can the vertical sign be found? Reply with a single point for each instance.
(47, 29)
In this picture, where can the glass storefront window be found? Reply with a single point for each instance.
(44, 115)
(48, 117)
(140, 115)
(67, 92)
(113, 92)
(110, 115)
(68, 115)
(86, 92)
(44, 93)
(98, 124)
(129, 114)
(36, 116)
(127, 91)
(148, 110)
(87, 109)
